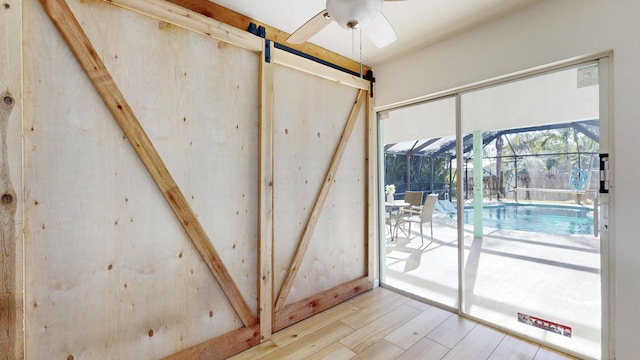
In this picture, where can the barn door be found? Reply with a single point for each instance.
(320, 189)
(182, 197)
(140, 233)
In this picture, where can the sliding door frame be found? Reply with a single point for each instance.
(607, 242)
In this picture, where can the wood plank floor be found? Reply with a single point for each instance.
(381, 324)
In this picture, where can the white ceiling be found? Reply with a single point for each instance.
(418, 23)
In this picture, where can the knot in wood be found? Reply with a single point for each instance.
(8, 100)
(7, 198)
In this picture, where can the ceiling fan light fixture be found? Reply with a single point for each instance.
(353, 14)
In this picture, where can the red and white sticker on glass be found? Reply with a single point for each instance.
(544, 324)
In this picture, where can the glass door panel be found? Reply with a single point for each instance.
(531, 259)
(419, 146)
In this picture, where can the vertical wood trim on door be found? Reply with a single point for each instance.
(8, 204)
(265, 194)
(95, 69)
(11, 260)
(371, 226)
(309, 227)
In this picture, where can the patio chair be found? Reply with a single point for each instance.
(446, 206)
(424, 216)
(414, 199)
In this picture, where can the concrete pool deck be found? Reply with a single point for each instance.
(551, 277)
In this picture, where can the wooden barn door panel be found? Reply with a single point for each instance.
(310, 117)
(110, 271)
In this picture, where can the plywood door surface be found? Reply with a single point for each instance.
(310, 114)
(110, 272)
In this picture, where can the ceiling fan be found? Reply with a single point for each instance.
(350, 14)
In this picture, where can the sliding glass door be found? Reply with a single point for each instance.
(419, 150)
(515, 169)
(531, 253)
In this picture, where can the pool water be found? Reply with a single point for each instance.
(542, 219)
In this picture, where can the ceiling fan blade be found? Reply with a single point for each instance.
(310, 28)
(380, 31)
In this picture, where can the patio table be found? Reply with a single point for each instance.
(390, 206)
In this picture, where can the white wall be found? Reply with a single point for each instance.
(544, 33)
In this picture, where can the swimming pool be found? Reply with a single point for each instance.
(562, 220)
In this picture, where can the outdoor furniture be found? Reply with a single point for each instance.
(392, 219)
(414, 198)
(446, 206)
(424, 215)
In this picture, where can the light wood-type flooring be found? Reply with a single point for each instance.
(381, 324)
